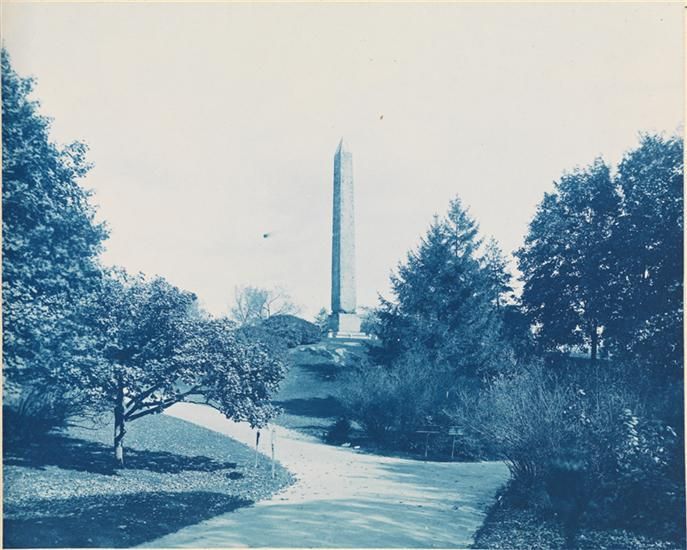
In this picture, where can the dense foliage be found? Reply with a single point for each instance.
(79, 338)
(649, 246)
(446, 298)
(158, 349)
(594, 441)
(602, 262)
(293, 330)
(50, 242)
(567, 261)
(586, 444)
(442, 332)
(602, 269)
(280, 333)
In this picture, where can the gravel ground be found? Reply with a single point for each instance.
(63, 491)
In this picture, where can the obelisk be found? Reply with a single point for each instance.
(345, 323)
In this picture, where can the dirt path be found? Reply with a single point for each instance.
(344, 498)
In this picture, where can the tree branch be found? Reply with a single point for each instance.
(159, 406)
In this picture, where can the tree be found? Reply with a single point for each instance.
(498, 276)
(570, 291)
(603, 260)
(254, 304)
(443, 301)
(648, 245)
(322, 320)
(50, 242)
(368, 320)
(159, 351)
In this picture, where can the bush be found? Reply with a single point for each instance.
(391, 403)
(33, 412)
(584, 446)
(292, 330)
(274, 345)
(339, 432)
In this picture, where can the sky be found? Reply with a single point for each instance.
(210, 125)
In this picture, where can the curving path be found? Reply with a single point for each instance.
(345, 498)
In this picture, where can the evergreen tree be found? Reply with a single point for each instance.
(496, 270)
(443, 301)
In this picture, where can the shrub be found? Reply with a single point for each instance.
(583, 445)
(33, 412)
(339, 432)
(369, 321)
(390, 403)
(275, 345)
(292, 330)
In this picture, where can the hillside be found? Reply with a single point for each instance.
(309, 393)
(63, 491)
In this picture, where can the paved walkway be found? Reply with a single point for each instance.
(345, 498)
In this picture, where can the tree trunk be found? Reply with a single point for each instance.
(594, 340)
(119, 428)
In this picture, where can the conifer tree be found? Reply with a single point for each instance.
(442, 303)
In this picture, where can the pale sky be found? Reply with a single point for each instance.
(211, 124)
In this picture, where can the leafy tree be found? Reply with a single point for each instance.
(567, 260)
(516, 331)
(603, 260)
(253, 304)
(50, 242)
(159, 351)
(648, 246)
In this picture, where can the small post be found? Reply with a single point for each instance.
(257, 442)
(273, 436)
(427, 432)
(456, 432)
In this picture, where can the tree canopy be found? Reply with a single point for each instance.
(98, 337)
(567, 261)
(602, 262)
(158, 351)
(649, 246)
(50, 240)
(445, 297)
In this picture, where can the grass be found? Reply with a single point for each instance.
(509, 524)
(309, 394)
(62, 490)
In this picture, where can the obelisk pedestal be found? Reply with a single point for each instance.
(344, 321)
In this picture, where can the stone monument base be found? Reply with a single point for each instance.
(345, 325)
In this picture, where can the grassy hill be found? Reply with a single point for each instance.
(309, 394)
(62, 491)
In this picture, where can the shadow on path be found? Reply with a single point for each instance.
(354, 523)
(110, 521)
